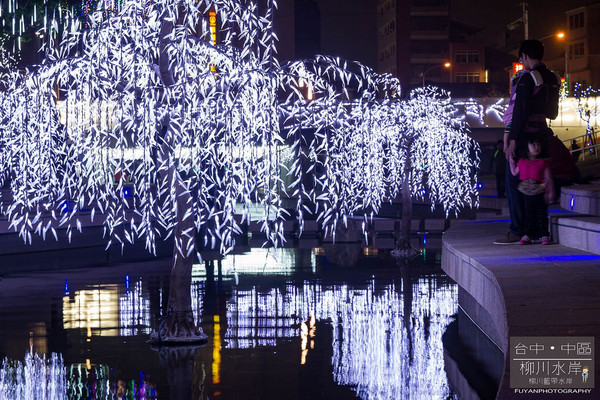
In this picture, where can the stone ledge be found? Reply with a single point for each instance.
(582, 232)
(475, 279)
(527, 290)
(493, 203)
(582, 199)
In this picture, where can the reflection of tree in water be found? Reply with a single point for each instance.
(41, 378)
(134, 311)
(342, 254)
(373, 352)
(36, 378)
(184, 382)
(377, 349)
(98, 382)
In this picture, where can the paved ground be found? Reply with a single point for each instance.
(530, 290)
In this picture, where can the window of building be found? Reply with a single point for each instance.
(388, 29)
(576, 21)
(577, 50)
(387, 52)
(386, 7)
(467, 77)
(429, 47)
(429, 23)
(430, 3)
(468, 56)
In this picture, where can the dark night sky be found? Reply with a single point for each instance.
(545, 16)
(349, 29)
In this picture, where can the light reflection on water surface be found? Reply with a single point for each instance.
(371, 332)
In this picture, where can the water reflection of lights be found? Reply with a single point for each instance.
(216, 364)
(258, 319)
(197, 295)
(41, 378)
(265, 261)
(98, 382)
(318, 251)
(38, 337)
(307, 331)
(107, 311)
(35, 378)
(386, 343)
(95, 308)
(386, 353)
(370, 251)
(134, 312)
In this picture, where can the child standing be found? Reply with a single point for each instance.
(537, 188)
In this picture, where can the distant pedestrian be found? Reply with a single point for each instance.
(575, 150)
(499, 163)
(563, 166)
(537, 187)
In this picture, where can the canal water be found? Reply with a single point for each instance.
(331, 322)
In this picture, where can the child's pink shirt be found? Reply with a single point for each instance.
(532, 169)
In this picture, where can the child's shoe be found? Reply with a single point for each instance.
(525, 240)
(546, 240)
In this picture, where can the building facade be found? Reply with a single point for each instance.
(583, 46)
(413, 38)
(467, 56)
(417, 37)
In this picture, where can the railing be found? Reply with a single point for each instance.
(590, 145)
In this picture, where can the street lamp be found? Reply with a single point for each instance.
(445, 65)
(558, 35)
(561, 36)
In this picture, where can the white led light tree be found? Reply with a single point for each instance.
(146, 121)
(144, 113)
(372, 146)
(433, 156)
(344, 153)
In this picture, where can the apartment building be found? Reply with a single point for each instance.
(417, 37)
(582, 35)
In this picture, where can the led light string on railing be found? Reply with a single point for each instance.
(587, 110)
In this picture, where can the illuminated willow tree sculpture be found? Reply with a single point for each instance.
(143, 102)
(435, 158)
(374, 147)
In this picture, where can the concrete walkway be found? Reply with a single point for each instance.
(530, 290)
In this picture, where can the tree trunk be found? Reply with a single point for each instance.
(404, 239)
(178, 326)
(403, 246)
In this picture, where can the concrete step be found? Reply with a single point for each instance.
(494, 203)
(582, 199)
(578, 232)
(581, 229)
